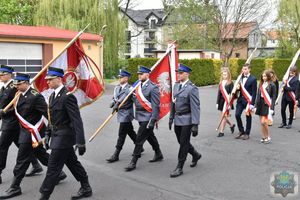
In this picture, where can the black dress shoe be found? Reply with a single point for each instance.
(177, 172)
(130, 167)
(11, 192)
(44, 197)
(114, 157)
(232, 128)
(61, 177)
(288, 126)
(246, 137)
(157, 156)
(282, 126)
(34, 171)
(195, 160)
(83, 192)
(220, 135)
(239, 136)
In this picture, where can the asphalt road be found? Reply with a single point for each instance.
(230, 169)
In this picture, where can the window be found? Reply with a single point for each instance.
(128, 35)
(28, 66)
(152, 24)
(237, 55)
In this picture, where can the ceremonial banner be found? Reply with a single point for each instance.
(79, 78)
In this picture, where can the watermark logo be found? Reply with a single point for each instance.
(284, 183)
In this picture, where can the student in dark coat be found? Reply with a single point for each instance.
(265, 101)
(225, 88)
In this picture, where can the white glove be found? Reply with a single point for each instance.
(217, 105)
(271, 112)
(252, 107)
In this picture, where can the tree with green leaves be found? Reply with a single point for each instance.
(76, 14)
(17, 11)
(289, 26)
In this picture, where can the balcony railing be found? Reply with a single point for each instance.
(149, 50)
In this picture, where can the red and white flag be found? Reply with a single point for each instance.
(164, 75)
(79, 78)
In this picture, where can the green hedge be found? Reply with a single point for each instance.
(207, 71)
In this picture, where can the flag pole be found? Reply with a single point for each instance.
(47, 66)
(125, 99)
(235, 89)
(286, 76)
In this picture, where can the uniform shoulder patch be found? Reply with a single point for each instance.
(34, 92)
(11, 85)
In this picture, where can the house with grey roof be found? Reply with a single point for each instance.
(144, 32)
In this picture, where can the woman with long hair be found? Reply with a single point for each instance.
(223, 100)
(265, 102)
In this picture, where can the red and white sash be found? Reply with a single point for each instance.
(268, 101)
(291, 93)
(33, 129)
(225, 96)
(142, 99)
(247, 96)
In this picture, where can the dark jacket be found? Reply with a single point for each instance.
(31, 107)
(9, 120)
(262, 107)
(67, 126)
(251, 87)
(220, 98)
(293, 85)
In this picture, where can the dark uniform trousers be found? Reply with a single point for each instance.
(124, 129)
(144, 134)
(240, 107)
(284, 104)
(57, 159)
(183, 135)
(25, 154)
(7, 138)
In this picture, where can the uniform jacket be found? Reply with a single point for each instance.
(31, 107)
(125, 114)
(66, 122)
(251, 87)
(151, 93)
(294, 82)
(9, 120)
(185, 109)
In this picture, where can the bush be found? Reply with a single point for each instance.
(257, 67)
(133, 64)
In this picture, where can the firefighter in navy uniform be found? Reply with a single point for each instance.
(125, 114)
(65, 130)
(10, 125)
(146, 119)
(31, 108)
(185, 113)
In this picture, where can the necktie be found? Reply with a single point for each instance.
(120, 89)
(2, 89)
(180, 86)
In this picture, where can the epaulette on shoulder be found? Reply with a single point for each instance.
(34, 92)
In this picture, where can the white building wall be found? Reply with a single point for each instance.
(137, 43)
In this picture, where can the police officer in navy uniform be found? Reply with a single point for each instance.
(185, 113)
(31, 106)
(125, 113)
(10, 125)
(146, 119)
(65, 131)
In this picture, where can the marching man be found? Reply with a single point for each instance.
(125, 114)
(185, 112)
(246, 101)
(147, 103)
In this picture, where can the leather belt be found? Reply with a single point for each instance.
(182, 113)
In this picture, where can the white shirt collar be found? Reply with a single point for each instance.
(183, 83)
(123, 85)
(26, 91)
(57, 90)
(7, 83)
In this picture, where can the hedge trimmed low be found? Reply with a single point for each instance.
(207, 71)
